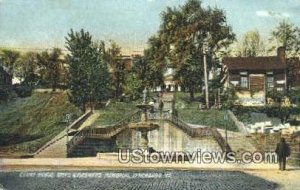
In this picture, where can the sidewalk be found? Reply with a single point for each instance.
(113, 163)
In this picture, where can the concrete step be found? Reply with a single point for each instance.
(238, 142)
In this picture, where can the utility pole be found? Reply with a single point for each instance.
(205, 75)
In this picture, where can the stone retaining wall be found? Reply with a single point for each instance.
(268, 142)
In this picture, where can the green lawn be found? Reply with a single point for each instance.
(115, 112)
(27, 123)
(188, 111)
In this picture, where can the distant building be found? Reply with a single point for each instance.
(124, 62)
(252, 77)
(170, 83)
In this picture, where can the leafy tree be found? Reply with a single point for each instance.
(185, 30)
(152, 65)
(133, 85)
(51, 67)
(148, 71)
(9, 60)
(27, 68)
(188, 74)
(288, 36)
(251, 45)
(55, 67)
(116, 64)
(88, 74)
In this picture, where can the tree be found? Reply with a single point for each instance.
(27, 67)
(251, 45)
(188, 74)
(152, 65)
(133, 85)
(185, 30)
(9, 60)
(55, 67)
(88, 74)
(51, 67)
(114, 58)
(288, 36)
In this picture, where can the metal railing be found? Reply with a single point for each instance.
(112, 130)
(107, 132)
(193, 132)
(74, 125)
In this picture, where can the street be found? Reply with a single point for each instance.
(132, 180)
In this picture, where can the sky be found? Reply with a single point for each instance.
(39, 24)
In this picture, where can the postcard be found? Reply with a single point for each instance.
(149, 94)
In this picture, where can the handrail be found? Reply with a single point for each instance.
(193, 132)
(92, 131)
(200, 132)
(73, 125)
(135, 117)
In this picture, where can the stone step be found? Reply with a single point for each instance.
(238, 142)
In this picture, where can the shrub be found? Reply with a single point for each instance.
(23, 90)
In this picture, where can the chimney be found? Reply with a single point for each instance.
(281, 54)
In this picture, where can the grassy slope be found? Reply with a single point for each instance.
(115, 112)
(27, 123)
(189, 112)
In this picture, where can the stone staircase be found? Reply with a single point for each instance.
(238, 142)
(81, 140)
(56, 150)
(89, 147)
(57, 147)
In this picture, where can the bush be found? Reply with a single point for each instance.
(271, 111)
(4, 94)
(7, 94)
(23, 90)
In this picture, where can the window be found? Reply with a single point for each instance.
(244, 81)
(280, 89)
(270, 81)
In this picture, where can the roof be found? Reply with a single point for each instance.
(254, 63)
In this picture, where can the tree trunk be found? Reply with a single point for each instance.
(53, 87)
(192, 96)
